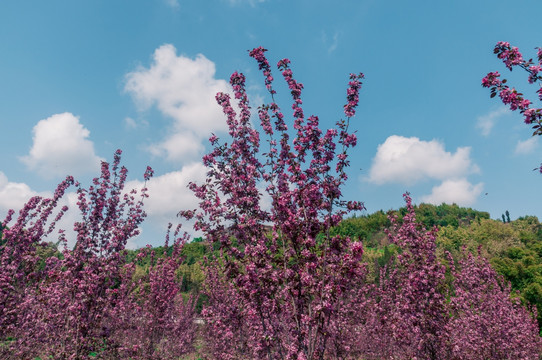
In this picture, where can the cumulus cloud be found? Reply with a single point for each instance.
(14, 195)
(168, 193)
(459, 191)
(486, 122)
(179, 146)
(408, 160)
(526, 147)
(61, 147)
(183, 89)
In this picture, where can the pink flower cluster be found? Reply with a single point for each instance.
(352, 94)
(486, 323)
(259, 55)
(508, 96)
(511, 57)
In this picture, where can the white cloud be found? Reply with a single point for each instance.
(486, 122)
(183, 89)
(61, 147)
(526, 147)
(169, 193)
(409, 160)
(460, 192)
(179, 146)
(14, 195)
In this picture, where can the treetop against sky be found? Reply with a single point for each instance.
(82, 80)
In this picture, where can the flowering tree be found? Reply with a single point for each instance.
(423, 309)
(62, 315)
(409, 312)
(154, 321)
(69, 306)
(151, 319)
(486, 323)
(19, 260)
(281, 293)
(511, 57)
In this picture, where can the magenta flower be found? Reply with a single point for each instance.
(512, 57)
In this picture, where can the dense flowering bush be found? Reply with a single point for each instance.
(69, 306)
(423, 309)
(486, 323)
(19, 252)
(152, 320)
(409, 314)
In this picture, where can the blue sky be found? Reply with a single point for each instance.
(80, 79)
